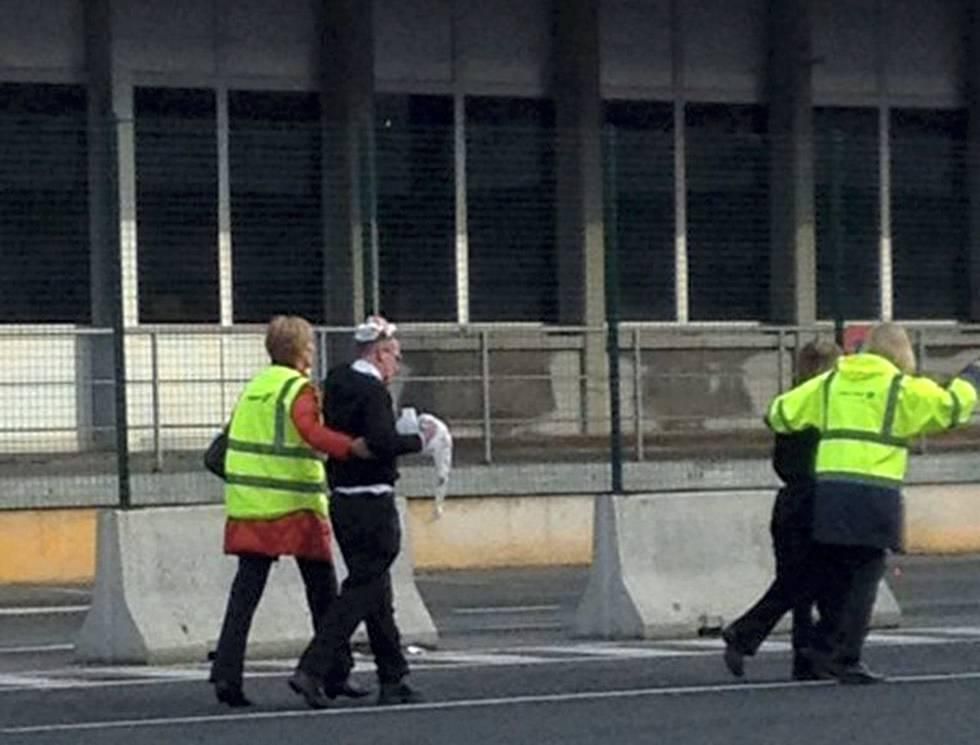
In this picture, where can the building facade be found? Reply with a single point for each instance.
(471, 161)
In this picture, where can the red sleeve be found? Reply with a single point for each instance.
(306, 417)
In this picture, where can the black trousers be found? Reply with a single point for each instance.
(796, 586)
(320, 583)
(852, 575)
(369, 534)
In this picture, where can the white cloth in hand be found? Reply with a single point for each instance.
(438, 445)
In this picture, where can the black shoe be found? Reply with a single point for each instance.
(347, 689)
(857, 673)
(803, 668)
(309, 688)
(398, 693)
(822, 665)
(231, 694)
(733, 657)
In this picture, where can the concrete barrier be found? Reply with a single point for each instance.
(475, 532)
(672, 565)
(161, 585)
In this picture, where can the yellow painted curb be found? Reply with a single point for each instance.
(942, 519)
(489, 532)
(51, 546)
(47, 546)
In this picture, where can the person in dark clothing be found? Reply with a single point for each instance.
(365, 520)
(795, 585)
(868, 409)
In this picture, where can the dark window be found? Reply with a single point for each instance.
(177, 205)
(416, 207)
(510, 160)
(44, 240)
(847, 226)
(276, 212)
(640, 159)
(727, 212)
(929, 213)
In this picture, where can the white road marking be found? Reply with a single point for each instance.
(37, 648)
(901, 639)
(611, 652)
(551, 698)
(507, 609)
(44, 610)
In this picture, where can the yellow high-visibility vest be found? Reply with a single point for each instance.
(269, 470)
(867, 411)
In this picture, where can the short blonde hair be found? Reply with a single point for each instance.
(286, 337)
(891, 341)
(816, 357)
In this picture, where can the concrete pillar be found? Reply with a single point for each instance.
(973, 161)
(96, 398)
(792, 294)
(347, 116)
(580, 240)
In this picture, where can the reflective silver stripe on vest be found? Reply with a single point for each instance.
(303, 453)
(956, 408)
(277, 447)
(281, 411)
(860, 478)
(863, 436)
(826, 400)
(264, 482)
(884, 436)
(891, 404)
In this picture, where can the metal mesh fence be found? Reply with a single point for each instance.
(452, 220)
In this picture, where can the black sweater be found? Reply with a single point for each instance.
(794, 458)
(359, 405)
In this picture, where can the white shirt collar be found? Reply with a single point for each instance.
(366, 368)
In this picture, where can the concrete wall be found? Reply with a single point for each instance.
(910, 50)
(49, 546)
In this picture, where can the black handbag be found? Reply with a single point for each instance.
(214, 456)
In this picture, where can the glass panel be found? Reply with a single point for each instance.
(930, 211)
(416, 207)
(727, 212)
(510, 157)
(177, 205)
(276, 214)
(44, 231)
(643, 162)
(855, 132)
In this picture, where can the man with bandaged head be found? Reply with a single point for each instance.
(365, 521)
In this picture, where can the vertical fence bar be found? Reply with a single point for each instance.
(485, 383)
(612, 314)
(321, 355)
(780, 360)
(155, 401)
(836, 240)
(920, 366)
(638, 393)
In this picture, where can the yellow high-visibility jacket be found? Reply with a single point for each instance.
(269, 470)
(867, 412)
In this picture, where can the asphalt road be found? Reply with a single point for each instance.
(507, 671)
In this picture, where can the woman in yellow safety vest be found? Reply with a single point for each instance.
(275, 494)
(866, 409)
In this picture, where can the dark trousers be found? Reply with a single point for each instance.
(246, 591)
(852, 575)
(369, 534)
(795, 587)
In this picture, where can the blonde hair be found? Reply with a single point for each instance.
(816, 357)
(286, 337)
(889, 340)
